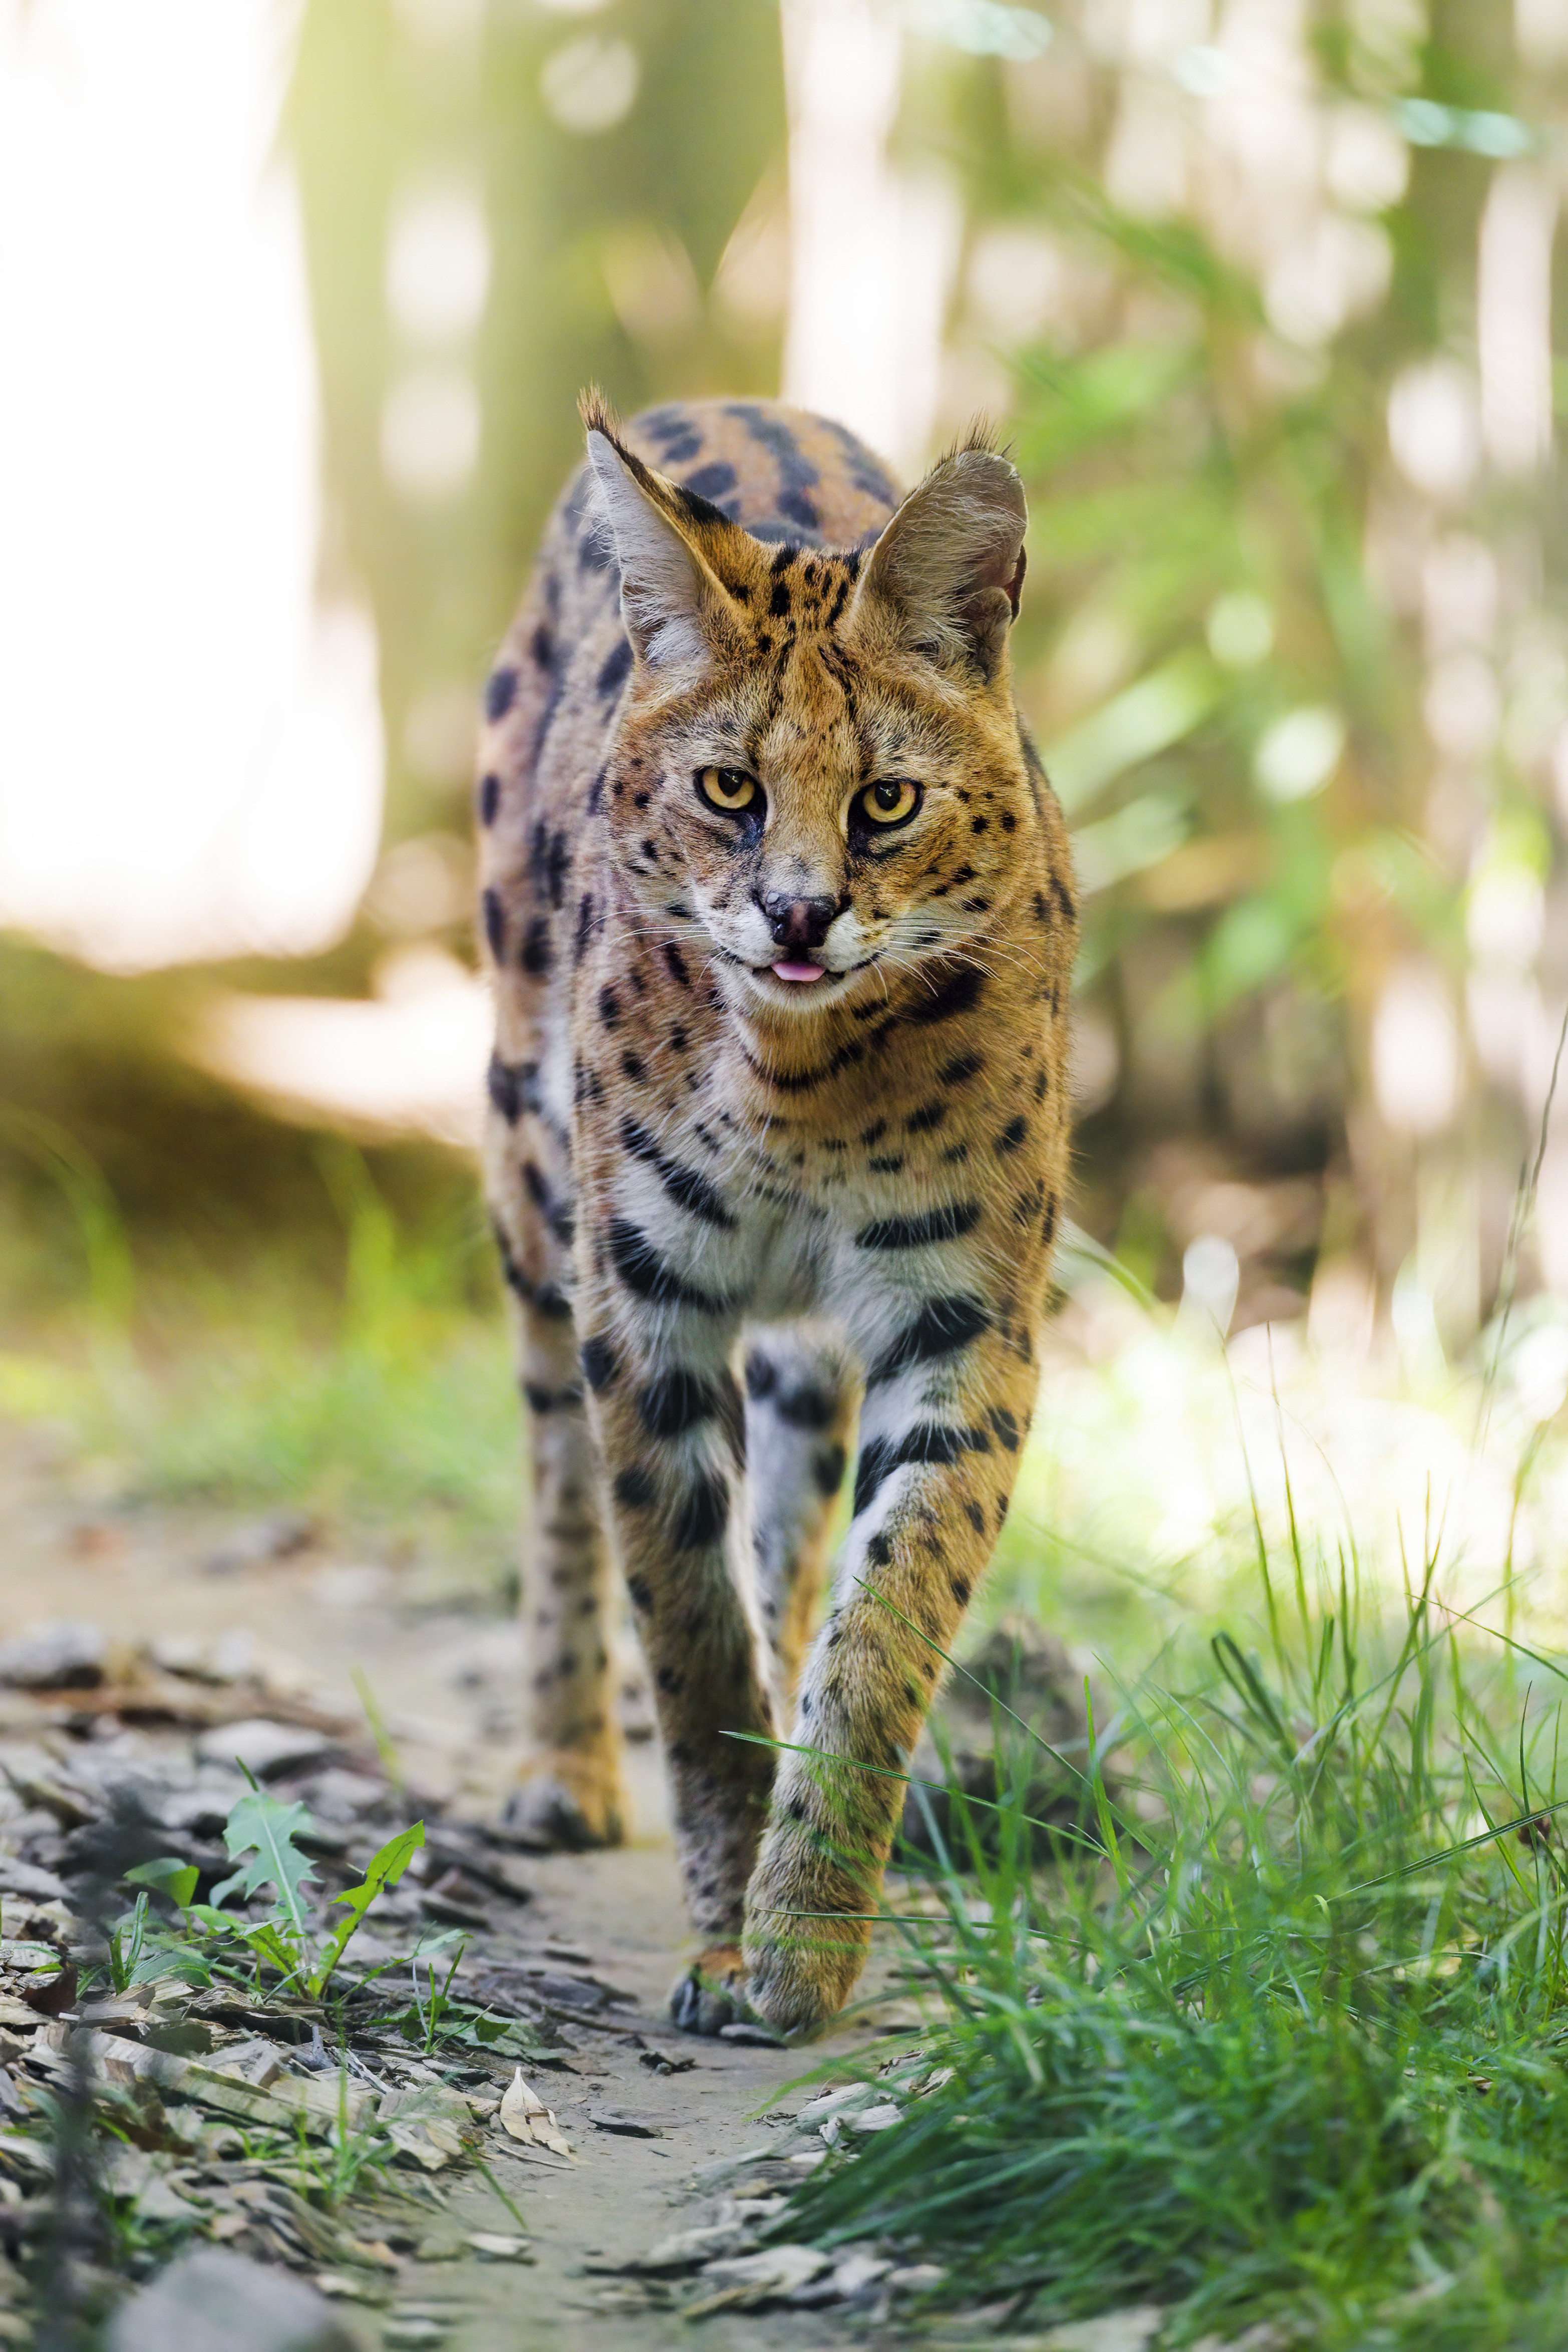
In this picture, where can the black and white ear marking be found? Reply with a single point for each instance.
(948, 569)
(664, 585)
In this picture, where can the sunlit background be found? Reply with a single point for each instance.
(294, 301)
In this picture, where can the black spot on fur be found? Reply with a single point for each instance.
(955, 995)
(977, 1519)
(927, 1441)
(886, 1166)
(685, 1186)
(537, 957)
(599, 1364)
(941, 1326)
(828, 1463)
(648, 1276)
(921, 1122)
(703, 1515)
(494, 923)
(500, 692)
(960, 1586)
(1006, 1426)
(555, 1214)
(1012, 1135)
(946, 1223)
(761, 1374)
(878, 1551)
(489, 798)
(808, 1407)
(513, 1087)
(640, 1593)
(713, 481)
(636, 1491)
(551, 1399)
(677, 964)
(962, 1067)
(634, 1067)
(541, 646)
(616, 670)
(674, 1403)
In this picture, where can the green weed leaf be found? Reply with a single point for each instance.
(168, 1875)
(259, 1834)
(385, 1869)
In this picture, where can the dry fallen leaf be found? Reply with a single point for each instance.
(526, 2116)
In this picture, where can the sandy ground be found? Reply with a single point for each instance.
(442, 1674)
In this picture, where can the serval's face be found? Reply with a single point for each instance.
(818, 763)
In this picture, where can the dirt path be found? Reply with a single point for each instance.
(650, 2151)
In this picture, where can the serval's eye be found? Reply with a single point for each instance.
(729, 789)
(893, 803)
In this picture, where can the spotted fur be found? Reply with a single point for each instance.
(731, 1208)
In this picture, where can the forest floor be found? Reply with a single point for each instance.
(186, 1617)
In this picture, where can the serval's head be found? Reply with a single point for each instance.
(817, 764)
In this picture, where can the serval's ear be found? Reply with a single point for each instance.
(675, 608)
(947, 574)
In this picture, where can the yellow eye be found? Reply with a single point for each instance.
(893, 803)
(729, 789)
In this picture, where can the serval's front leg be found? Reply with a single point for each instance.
(938, 1461)
(670, 1422)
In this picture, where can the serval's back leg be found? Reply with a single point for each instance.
(570, 1791)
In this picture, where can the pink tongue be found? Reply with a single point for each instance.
(802, 971)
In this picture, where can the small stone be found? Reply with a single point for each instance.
(65, 1654)
(915, 2278)
(687, 2247)
(1129, 2330)
(772, 2276)
(17, 1877)
(497, 2246)
(439, 2246)
(881, 2118)
(607, 2118)
(264, 1748)
(856, 2270)
(659, 2062)
(278, 1537)
(214, 2301)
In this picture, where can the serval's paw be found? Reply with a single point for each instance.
(712, 1992)
(803, 1947)
(566, 1803)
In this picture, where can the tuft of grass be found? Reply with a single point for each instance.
(1280, 2031)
